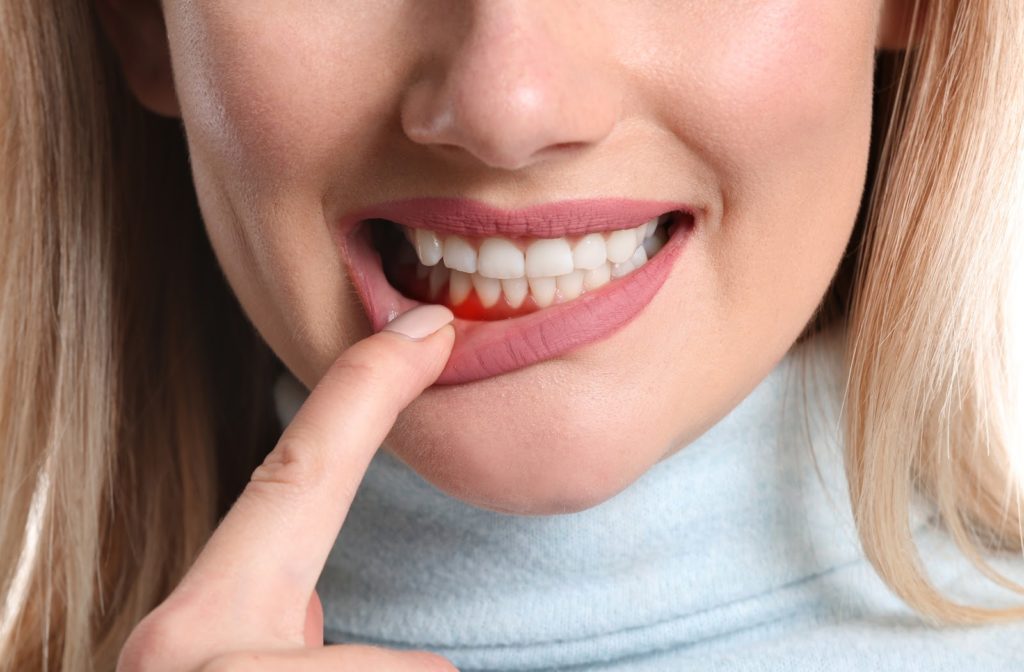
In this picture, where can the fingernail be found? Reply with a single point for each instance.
(421, 321)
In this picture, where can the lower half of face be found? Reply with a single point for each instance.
(756, 116)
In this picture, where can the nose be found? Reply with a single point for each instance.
(528, 80)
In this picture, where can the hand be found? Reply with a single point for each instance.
(249, 601)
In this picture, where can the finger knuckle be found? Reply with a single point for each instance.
(366, 363)
(380, 361)
(293, 466)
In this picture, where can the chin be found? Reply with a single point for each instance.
(568, 458)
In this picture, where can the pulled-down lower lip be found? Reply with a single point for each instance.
(488, 348)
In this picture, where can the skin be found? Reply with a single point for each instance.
(278, 533)
(758, 112)
(295, 113)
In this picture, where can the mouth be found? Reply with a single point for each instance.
(525, 286)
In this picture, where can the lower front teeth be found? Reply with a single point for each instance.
(488, 290)
(459, 286)
(515, 290)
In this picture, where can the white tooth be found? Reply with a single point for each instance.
(619, 270)
(597, 277)
(651, 226)
(548, 257)
(589, 252)
(543, 290)
(459, 286)
(488, 290)
(515, 291)
(639, 257)
(438, 276)
(428, 247)
(570, 285)
(500, 258)
(655, 242)
(620, 245)
(640, 232)
(459, 255)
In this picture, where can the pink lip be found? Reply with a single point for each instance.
(489, 348)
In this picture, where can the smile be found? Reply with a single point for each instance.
(525, 285)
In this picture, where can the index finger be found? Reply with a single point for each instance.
(265, 557)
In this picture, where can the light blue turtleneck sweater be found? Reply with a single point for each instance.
(728, 555)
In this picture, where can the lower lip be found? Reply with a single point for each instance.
(489, 348)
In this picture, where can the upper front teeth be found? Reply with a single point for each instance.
(506, 259)
(500, 259)
(589, 252)
(548, 257)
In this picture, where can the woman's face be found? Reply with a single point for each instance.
(753, 116)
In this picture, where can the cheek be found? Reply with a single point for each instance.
(783, 117)
(228, 74)
(271, 119)
(771, 75)
(270, 96)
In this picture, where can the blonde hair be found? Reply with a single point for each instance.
(135, 396)
(930, 395)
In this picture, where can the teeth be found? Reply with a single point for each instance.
(488, 290)
(620, 245)
(459, 255)
(428, 247)
(619, 270)
(551, 270)
(569, 285)
(501, 259)
(515, 291)
(639, 257)
(548, 257)
(504, 259)
(543, 290)
(459, 286)
(641, 231)
(655, 242)
(595, 278)
(589, 252)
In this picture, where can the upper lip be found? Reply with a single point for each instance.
(548, 220)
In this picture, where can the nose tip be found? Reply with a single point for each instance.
(510, 98)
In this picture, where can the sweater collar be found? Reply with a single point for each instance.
(725, 534)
